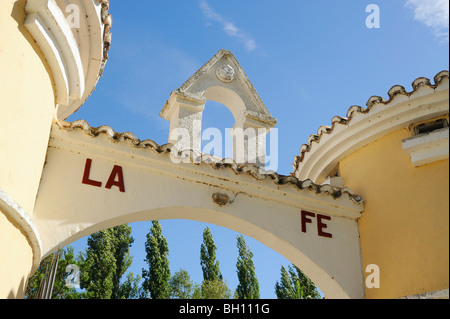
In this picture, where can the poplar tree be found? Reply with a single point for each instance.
(156, 278)
(122, 241)
(98, 266)
(210, 266)
(248, 287)
(106, 260)
(102, 266)
(294, 284)
(213, 285)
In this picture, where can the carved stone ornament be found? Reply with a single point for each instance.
(225, 73)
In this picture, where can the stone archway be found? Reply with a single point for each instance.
(95, 178)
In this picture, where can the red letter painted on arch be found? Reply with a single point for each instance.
(305, 219)
(87, 172)
(116, 172)
(321, 226)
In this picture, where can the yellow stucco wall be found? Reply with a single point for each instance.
(27, 106)
(26, 112)
(16, 259)
(404, 228)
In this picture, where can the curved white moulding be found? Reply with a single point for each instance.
(53, 34)
(20, 216)
(71, 35)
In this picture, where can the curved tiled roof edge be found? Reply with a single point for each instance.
(238, 169)
(115, 136)
(373, 101)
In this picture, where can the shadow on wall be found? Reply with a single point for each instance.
(20, 294)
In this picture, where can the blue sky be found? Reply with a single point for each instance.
(308, 60)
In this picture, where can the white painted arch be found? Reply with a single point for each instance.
(327, 283)
(228, 98)
(264, 207)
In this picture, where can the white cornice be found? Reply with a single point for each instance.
(75, 53)
(427, 148)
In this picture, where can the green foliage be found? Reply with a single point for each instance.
(60, 289)
(156, 278)
(98, 266)
(102, 265)
(215, 289)
(197, 292)
(294, 284)
(130, 288)
(107, 258)
(210, 266)
(105, 261)
(181, 285)
(122, 241)
(248, 287)
(213, 285)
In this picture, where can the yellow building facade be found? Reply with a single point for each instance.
(26, 113)
(393, 155)
(404, 228)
